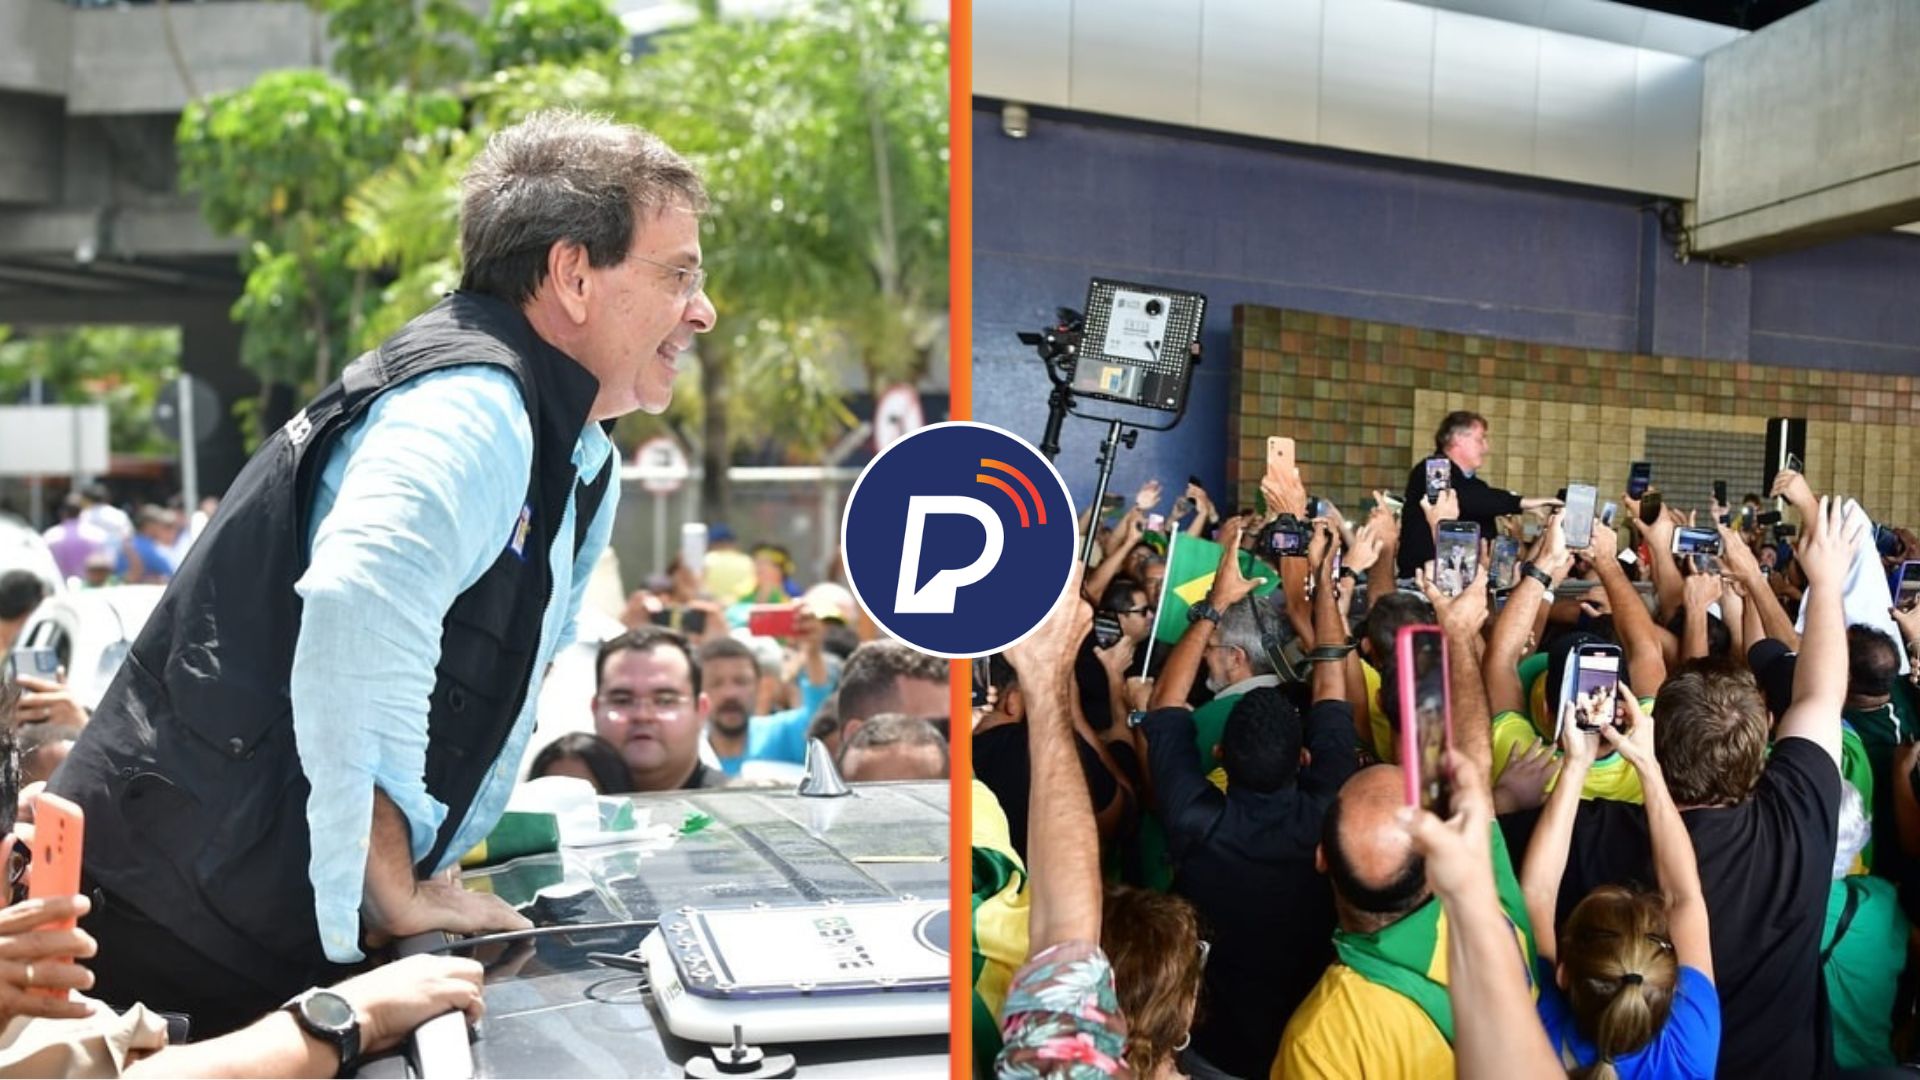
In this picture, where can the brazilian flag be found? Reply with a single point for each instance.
(1191, 565)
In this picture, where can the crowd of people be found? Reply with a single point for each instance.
(1211, 862)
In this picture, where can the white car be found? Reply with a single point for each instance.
(23, 549)
(92, 630)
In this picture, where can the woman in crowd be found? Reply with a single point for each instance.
(584, 755)
(1626, 986)
(1153, 941)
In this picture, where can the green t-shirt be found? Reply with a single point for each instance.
(1864, 970)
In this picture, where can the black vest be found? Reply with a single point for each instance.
(194, 797)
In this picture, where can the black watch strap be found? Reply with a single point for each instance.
(1545, 579)
(1203, 610)
(1330, 652)
(331, 1020)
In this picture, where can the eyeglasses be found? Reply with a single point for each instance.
(665, 705)
(695, 278)
(1143, 610)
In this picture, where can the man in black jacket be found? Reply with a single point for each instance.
(1245, 857)
(1462, 440)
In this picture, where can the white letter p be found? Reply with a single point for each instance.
(936, 597)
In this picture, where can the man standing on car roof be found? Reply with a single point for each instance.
(326, 709)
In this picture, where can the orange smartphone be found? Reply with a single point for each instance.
(1279, 453)
(772, 620)
(58, 831)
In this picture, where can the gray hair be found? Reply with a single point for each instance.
(1854, 830)
(1240, 629)
(561, 175)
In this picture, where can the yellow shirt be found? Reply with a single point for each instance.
(1000, 922)
(1351, 1029)
(1610, 778)
(1384, 746)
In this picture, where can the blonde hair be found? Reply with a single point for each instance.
(1621, 973)
(1153, 941)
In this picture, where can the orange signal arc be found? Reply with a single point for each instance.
(1039, 507)
(1011, 494)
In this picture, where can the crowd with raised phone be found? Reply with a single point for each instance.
(1482, 785)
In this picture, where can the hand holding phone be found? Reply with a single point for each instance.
(1439, 477)
(1456, 556)
(1576, 522)
(1639, 479)
(1593, 679)
(59, 828)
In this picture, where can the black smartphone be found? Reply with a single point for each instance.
(1505, 571)
(1596, 679)
(693, 622)
(1720, 492)
(1577, 520)
(1439, 477)
(1456, 556)
(1770, 517)
(1106, 629)
(1906, 587)
(1794, 463)
(1639, 478)
(1650, 508)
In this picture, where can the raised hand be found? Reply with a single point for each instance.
(1828, 540)
(1147, 497)
(1229, 585)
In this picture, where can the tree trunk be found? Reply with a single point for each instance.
(716, 447)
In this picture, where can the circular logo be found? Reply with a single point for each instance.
(959, 539)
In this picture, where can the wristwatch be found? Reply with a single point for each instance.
(1332, 652)
(1203, 610)
(330, 1018)
(1136, 718)
(1545, 579)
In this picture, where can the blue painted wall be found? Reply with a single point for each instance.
(1372, 238)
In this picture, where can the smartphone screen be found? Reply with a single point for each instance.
(1690, 540)
(1577, 522)
(38, 661)
(1106, 629)
(1456, 556)
(1720, 492)
(1426, 717)
(1607, 513)
(1907, 590)
(1439, 476)
(1595, 680)
(1506, 562)
(1639, 478)
(1794, 463)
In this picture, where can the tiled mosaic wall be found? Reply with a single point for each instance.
(1363, 399)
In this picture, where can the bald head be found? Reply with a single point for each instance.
(1367, 853)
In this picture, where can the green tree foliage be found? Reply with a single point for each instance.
(121, 367)
(520, 33)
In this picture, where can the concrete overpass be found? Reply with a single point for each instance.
(93, 226)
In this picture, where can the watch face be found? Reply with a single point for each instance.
(329, 1010)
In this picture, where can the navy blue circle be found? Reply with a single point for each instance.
(945, 460)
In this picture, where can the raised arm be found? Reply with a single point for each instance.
(1063, 847)
(1828, 540)
(1125, 535)
(1497, 1033)
(1330, 632)
(1552, 837)
(1515, 627)
(1462, 617)
(1229, 588)
(1702, 591)
(1740, 564)
(1632, 623)
(1674, 866)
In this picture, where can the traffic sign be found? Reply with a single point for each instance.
(664, 464)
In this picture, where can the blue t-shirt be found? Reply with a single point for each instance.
(1687, 1047)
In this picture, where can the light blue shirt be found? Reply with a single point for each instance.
(782, 735)
(415, 502)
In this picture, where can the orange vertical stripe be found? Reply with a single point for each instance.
(960, 380)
